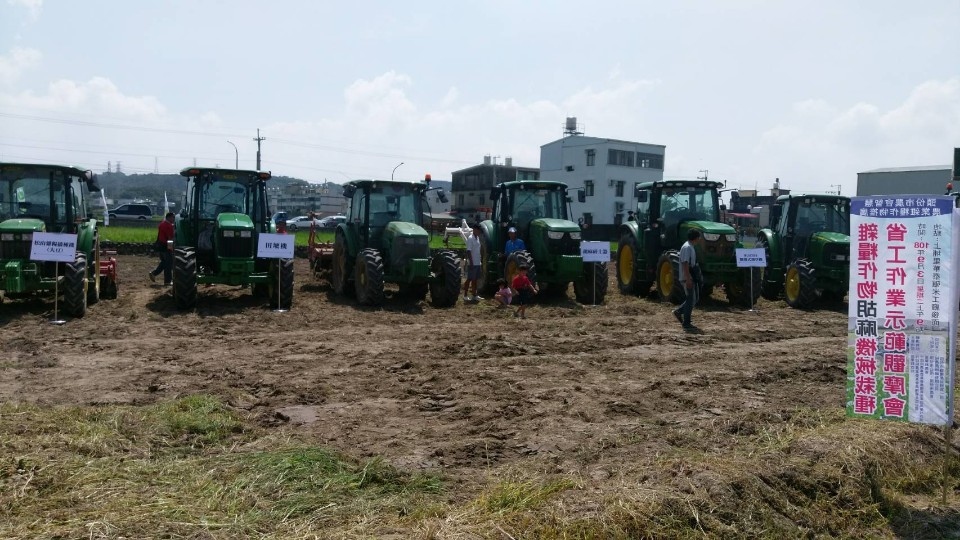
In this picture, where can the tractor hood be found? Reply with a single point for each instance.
(552, 224)
(711, 227)
(234, 221)
(23, 225)
(396, 229)
(829, 238)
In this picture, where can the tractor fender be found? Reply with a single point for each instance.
(631, 228)
(488, 228)
(86, 231)
(352, 238)
(775, 255)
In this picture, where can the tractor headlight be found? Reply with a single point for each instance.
(840, 257)
(711, 237)
(575, 235)
(555, 235)
(229, 234)
(730, 237)
(244, 234)
(6, 237)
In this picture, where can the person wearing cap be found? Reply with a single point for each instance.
(513, 243)
(473, 265)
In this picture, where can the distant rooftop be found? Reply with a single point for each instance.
(908, 169)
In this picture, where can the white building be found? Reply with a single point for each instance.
(606, 170)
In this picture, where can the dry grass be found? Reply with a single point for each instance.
(192, 468)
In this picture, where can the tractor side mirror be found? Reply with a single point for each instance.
(723, 208)
(442, 196)
(92, 181)
(642, 195)
(349, 190)
(581, 196)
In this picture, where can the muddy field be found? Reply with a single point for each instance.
(460, 390)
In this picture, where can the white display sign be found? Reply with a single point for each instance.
(595, 251)
(903, 308)
(53, 247)
(751, 257)
(275, 246)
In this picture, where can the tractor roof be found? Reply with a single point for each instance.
(541, 184)
(368, 183)
(680, 183)
(821, 197)
(75, 171)
(187, 172)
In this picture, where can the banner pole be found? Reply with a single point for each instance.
(56, 294)
(594, 284)
(751, 289)
(948, 444)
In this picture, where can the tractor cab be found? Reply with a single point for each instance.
(812, 222)
(678, 206)
(538, 210)
(46, 198)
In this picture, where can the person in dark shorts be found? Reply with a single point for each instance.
(525, 291)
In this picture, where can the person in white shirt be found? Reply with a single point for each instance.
(473, 265)
(688, 276)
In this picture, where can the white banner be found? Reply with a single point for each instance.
(275, 246)
(595, 251)
(751, 257)
(903, 308)
(53, 247)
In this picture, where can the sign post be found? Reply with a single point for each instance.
(751, 258)
(57, 248)
(595, 252)
(276, 246)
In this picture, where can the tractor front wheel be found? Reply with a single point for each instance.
(744, 290)
(368, 277)
(285, 298)
(591, 288)
(445, 288)
(512, 267)
(75, 286)
(770, 284)
(341, 267)
(800, 285)
(93, 287)
(628, 273)
(669, 287)
(185, 278)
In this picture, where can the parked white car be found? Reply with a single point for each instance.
(301, 223)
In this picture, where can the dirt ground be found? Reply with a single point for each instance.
(464, 390)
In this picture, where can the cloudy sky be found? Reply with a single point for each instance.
(811, 92)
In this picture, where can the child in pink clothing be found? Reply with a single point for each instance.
(504, 294)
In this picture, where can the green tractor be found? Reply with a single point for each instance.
(807, 248)
(52, 198)
(217, 234)
(649, 249)
(539, 211)
(384, 241)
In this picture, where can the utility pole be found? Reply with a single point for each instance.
(258, 139)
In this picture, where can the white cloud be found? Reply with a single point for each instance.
(33, 6)
(16, 62)
(98, 96)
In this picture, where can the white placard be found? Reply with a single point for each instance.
(53, 247)
(275, 246)
(751, 257)
(595, 251)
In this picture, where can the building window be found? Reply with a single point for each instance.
(588, 188)
(620, 157)
(649, 161)
(618, 208)
(460, 201)
(591, 157)
(620, 184)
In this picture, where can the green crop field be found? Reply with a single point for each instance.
(145, 235)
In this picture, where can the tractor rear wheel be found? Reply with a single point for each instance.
(93, 287)
(368, 277)
(285, 299)
(770, 285)
(341, 270)
(512, 267)
(592, 286)
(185, 278)
(628, 273)
(800, 285)
(75, 286)
(739, 291)
(669, 287)
(445, 288)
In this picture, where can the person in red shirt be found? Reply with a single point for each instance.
(525, 291)
(164, 248)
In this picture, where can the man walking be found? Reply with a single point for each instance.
(690, 277)
(164, 248)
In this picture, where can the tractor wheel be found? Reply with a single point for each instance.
(368, 277)
(738, 291)
(628, 273)
(485, 285)
(93, 287)
(75, 286)
(512, 267)
(285, 299)
(770, 285)
(342, 267)
(669, 287)
(594, 279)
(185, 278)
(445, 290)
(800, 284)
